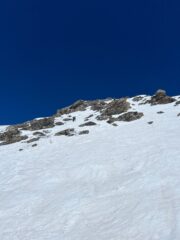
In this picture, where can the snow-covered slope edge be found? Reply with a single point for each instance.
(119, 181)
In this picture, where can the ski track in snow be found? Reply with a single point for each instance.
(115, 183)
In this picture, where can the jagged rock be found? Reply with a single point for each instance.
(117, 106)
(66, 132)
(177, 103)
(79, 105)
(43, 123)
(33, 140)
(87, 118)
(97, 105)
(11, 135)
(130, 116)
(88, 124)
(83, 132)
(160, 97)
(40, 134)
(137, 98)
(102, 117)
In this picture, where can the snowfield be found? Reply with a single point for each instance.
(115, 183)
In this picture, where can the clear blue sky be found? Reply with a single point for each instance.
(55, 52)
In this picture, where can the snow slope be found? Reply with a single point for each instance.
(115, 183)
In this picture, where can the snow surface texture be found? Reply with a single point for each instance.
(115, 183)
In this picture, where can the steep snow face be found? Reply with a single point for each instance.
(117, 182)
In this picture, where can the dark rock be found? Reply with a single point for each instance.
(79, 105)
(137, 98)
(178, 115)
(160, 112)
(66, 132)
(34, 145)
(20, 150)
(59, 123)
(83, 132)
(43, 123)
(97, 105)
(130, 116)
(67, 119)
(102, 117)
(33, 140)
(117, 106)
(88, 124)
(177, 103)
(40, 134)
(160, 97)
(114, 124)
(11, 135)
(151, 122)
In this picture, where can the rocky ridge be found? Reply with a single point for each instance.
(109, 110)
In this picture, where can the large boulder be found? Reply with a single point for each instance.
(160, 97)
(88, 124)
(38, 124)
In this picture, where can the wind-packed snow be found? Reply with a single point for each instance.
(115, 183)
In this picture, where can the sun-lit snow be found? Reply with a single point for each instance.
(115, 183)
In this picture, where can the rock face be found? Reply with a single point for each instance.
(11, 135)
(160, 97)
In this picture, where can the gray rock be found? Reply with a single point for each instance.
(130, 116)
(11, 135)
(83, 132)
(34, 145)
(151, 122)
(177, 103)
(160, 97)
(137, 98)
(117, 106)
(160, 112)
(66, 132)
(88, 124)
(59, 123)
(40, 134)
(33, 140)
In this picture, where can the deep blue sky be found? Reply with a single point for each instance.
(55, 52)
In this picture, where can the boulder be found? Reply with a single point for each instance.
(160, 97)
(88, 124)
(130, 116)
(66, 132)
(117, 106)
(83, 132)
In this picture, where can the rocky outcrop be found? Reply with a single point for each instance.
(126, 117)
(116, 106)
(66, 132)
(160, 97)
(11, 135)
(38, 124)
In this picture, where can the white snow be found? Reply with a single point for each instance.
(115, 183)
